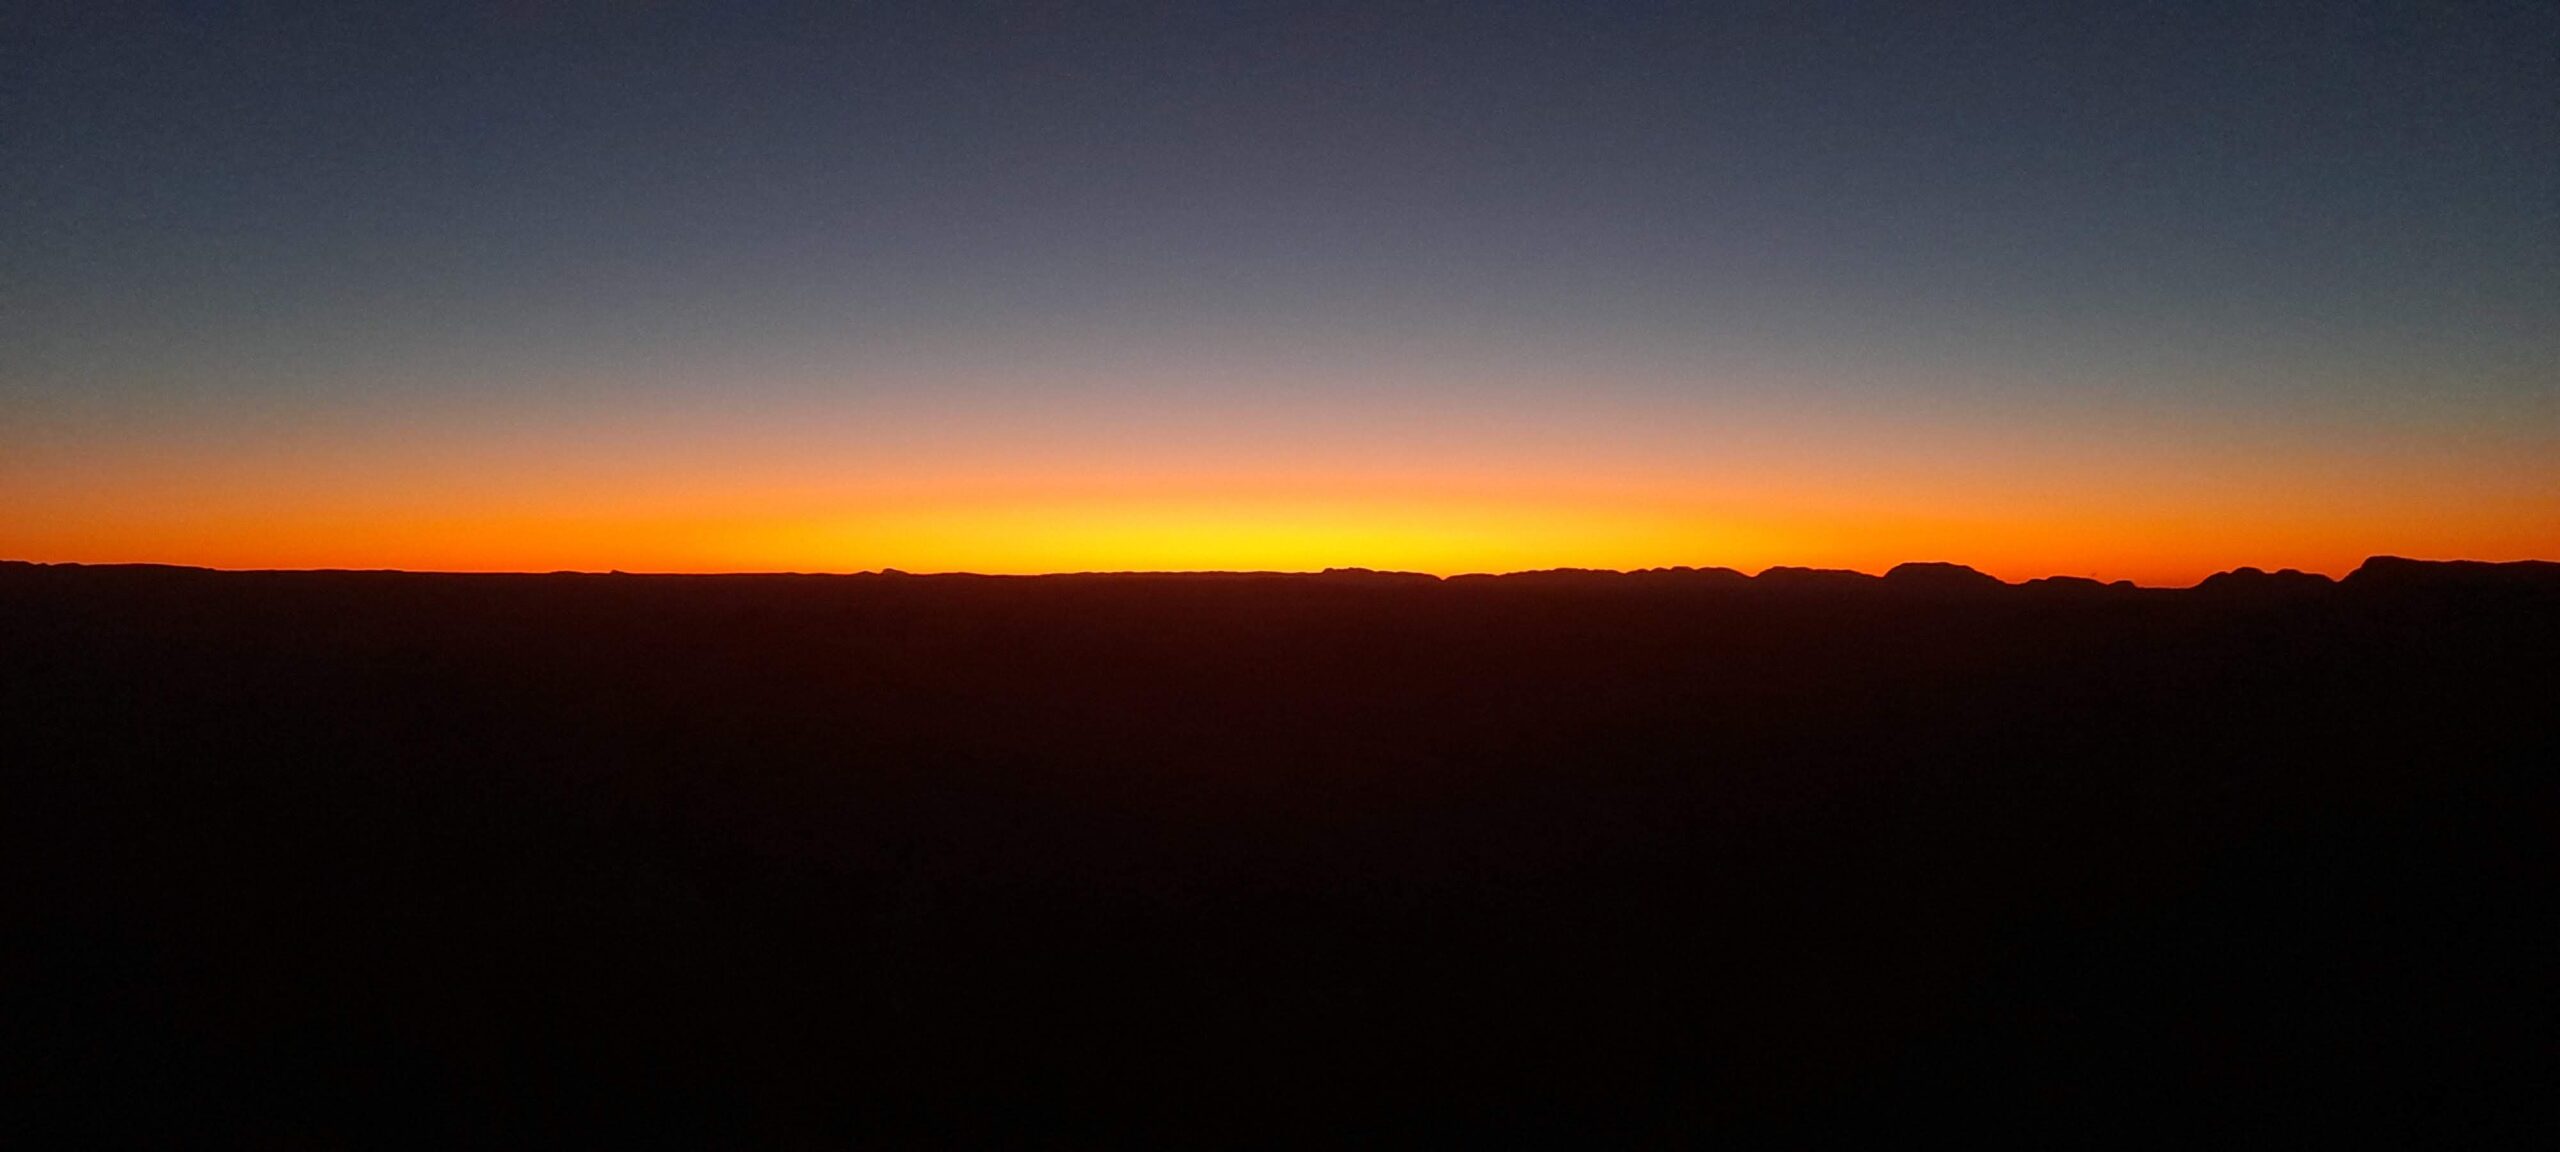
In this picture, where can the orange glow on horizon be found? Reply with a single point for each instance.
(797, 492)
(1434, 533)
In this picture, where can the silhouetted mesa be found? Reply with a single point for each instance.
(1939, 577)
(2526, 577)
(2074, 585)
(2253, 582)
(1827, 579)
(1111, 857)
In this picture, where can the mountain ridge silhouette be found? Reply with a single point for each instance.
(2375, 571)
(1128, 858)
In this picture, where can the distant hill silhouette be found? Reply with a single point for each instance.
(2377, 571)
(1785, 576)
(2075, 585)
(2253, 582)
(2453, 576)
(1563, 856)
(1941, 577)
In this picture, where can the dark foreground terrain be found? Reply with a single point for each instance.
(372, 857)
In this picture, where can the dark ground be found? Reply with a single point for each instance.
(370, 857)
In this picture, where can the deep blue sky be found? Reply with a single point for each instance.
(2316, 215)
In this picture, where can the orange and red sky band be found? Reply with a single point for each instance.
(2072, 289)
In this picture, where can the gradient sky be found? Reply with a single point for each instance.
(2120, 289)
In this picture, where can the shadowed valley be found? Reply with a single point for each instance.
(1218, 855)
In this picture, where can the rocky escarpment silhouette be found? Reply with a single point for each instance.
(2442, 577)
(1812, 579)
(2377, 572)
(313, 856)
(2258, 583)
(1941, 577)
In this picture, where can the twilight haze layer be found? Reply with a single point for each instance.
(2115, 290)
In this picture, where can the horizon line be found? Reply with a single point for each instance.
(1923, 569)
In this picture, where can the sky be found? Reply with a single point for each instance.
(2122, 290)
